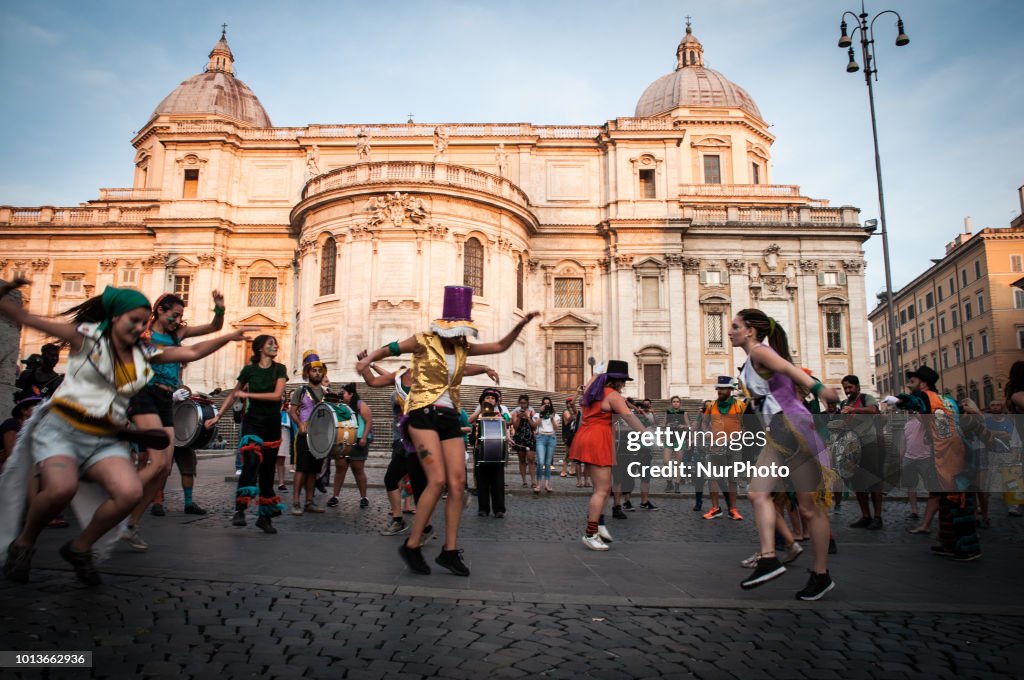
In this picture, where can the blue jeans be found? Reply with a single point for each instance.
(545, 454)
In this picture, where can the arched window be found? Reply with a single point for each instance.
(328, 259)
(520, 303)
(473, 266)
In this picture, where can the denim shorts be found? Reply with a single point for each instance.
(55, 436)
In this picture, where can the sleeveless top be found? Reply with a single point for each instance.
(165, 374)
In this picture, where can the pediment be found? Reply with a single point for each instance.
(569, 320)
(650, 263)
(259, 320)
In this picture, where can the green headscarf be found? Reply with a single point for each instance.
(117, 301)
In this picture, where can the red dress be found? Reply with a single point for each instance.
(593, 442)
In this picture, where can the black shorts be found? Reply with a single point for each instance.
(305, 462)
(441, 419)
(153, 399)
(185, 459)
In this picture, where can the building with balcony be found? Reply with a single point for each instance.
(638, 238)
(962, 316)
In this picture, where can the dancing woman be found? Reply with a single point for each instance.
(594, 443)
(261, 382)
(153, 407)
(792, 441)
(80, 432)
(431, 417)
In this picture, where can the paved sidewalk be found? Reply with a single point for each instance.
(328, 595)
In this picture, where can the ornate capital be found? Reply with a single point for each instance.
(41, 264)
(605, 264)
(206, 259)
(108, 265)
(88, 288)
(853, 266)
(691, 264)
(306, 246)
(387, 305)
(229, 263)
(808, 266)
(623, 260)
(736, 266)
(504, 244)
(674, 260)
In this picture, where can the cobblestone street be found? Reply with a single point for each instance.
(327, 595)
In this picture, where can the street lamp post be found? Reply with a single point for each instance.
(867, 44)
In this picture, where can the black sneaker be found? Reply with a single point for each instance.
(19, 562)
(364, 502)
(617, 512)
(698, 508)
(628, 506)
(413, 559)
(194, 509)
(452, 561)
(265, 524)
(82, 562)
(668, 487)
(942, 552)
(648, 506)
(499, 515)
(238, 519)
(817, 585)
(832, 548)
(875, 524)
(862, 523)
(966, 556)
(333, 503)
(157, 510)
(767, 568)
(482, 514)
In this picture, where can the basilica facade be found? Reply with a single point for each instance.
(638, 238)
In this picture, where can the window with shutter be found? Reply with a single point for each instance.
(473, 265)
(262, 291)
(713, 331)
(568, 292)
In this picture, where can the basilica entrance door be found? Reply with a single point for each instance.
(568, 366)
(652, 381)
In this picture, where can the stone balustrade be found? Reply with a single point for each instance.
(845, 216)
(741, 190)
(80, 216)
(129, 194)
(414, 172)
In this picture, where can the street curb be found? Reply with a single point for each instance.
(507, 597)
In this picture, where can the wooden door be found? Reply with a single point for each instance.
(652, 381)
(568, 366)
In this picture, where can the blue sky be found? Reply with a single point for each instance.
(78, 79)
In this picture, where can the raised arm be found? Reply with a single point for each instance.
(62, 330)
(213, 326)
(198, 350)
(479, 369)
(382, 379)
(404, 347)
(506, 342)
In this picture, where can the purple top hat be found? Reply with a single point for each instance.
(456, 317)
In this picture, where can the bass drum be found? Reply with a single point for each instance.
(189, 416)
(330, 426)
(491, 447)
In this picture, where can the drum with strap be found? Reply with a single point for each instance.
(491, 447)
(331, 425)
(189, 417)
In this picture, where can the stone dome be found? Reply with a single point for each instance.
(216, 91)
(693, 85)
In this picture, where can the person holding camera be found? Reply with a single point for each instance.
(546, 424)
(524, 428)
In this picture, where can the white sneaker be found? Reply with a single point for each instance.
(792, 552)
(594, 542)
(132, 538)
(751, 561)
(238, 473)
(602, 532)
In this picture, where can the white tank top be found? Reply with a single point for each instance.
(759, 390)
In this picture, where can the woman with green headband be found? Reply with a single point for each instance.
(81, 431)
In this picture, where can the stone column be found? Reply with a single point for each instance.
(694, 351)
(678, 371)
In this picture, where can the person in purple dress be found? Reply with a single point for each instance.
(791, 441)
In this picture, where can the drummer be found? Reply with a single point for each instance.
(153, 408)
(490, 477)
(432, 416)
(303, 401)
